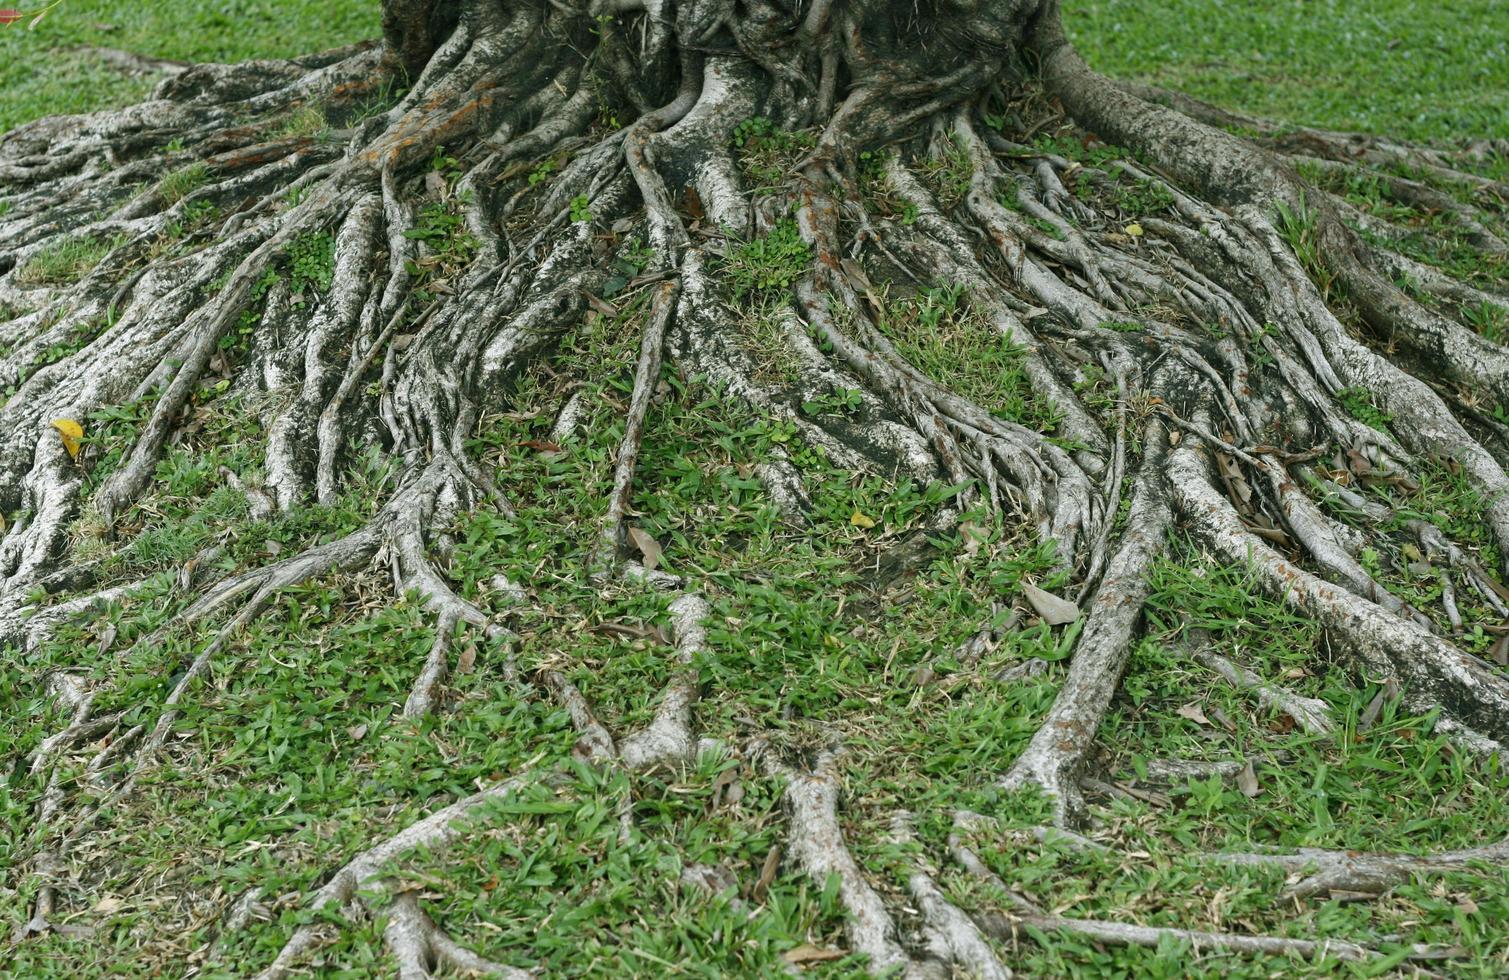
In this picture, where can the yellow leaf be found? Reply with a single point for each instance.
(860, 520)
(72, 434)
(1134, 229)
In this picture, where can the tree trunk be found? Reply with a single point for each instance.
(1213, 349)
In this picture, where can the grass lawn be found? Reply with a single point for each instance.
(1411, 68)
(44, 72)
(1415, 69)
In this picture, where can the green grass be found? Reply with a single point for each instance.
(68, 261)
(768, 264)
(1411, 68)
(289, 757)
(1404, 67)
(182, 182)
(42, 72)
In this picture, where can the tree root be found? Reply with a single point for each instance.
(1317, 871)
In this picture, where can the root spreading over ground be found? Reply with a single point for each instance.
(571, 486)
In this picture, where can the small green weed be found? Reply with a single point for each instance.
(767, 155)
(769, 263)
(1359, 404)
(311, 262)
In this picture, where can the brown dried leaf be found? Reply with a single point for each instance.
(723, 789)
(767, 873)
(974, 537)
(808, 953)
(1194, 713)
(1247, 781)
(648, 547)
(1388, 692)
(1282, 724)
(1222, 718)
(1499, 653)
(601, 305)
(1053, 610)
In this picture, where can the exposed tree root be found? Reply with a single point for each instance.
(1319, 871)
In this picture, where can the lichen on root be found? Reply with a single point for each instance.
(382, 285)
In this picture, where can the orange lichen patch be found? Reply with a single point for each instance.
(246, 158)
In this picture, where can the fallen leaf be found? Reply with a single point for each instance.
(1499, 654)
(725, 787)
(1053, 610)
(72, 434)
(656, 632)
(1222, 718)
(808, 953)
(541, 445)
(601, 305)
(648, 547)
(1247, 781)
(1194, 713)
(767, 873)
(974, 537)
(860, 519)
(1370, 714)
(1134, 230)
